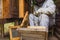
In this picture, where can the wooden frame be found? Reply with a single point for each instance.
(10, 32)
(25, 18)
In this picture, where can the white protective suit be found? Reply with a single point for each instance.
(43, 19)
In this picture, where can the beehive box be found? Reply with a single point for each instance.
(33, 33)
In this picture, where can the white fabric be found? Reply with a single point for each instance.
(42, 20)
(47, 8)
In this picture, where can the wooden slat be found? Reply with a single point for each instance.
(1, 9)
(25, 18)
(21, 8)
(6, 8)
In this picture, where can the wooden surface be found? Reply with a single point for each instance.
(57, 28)
(21, 8)
(12, 8)
(50, 38)
(6, 5)
(33, 34)
(1, 9)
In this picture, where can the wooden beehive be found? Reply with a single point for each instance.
(33, 33)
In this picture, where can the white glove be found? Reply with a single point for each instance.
(35, 12)
(43, 10)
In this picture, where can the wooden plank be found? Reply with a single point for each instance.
(1, 9)
(25, 18)
(6, 8)
(21, 8)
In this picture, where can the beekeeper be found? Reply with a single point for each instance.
(43, 14)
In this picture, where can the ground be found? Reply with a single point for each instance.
(50, 38)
